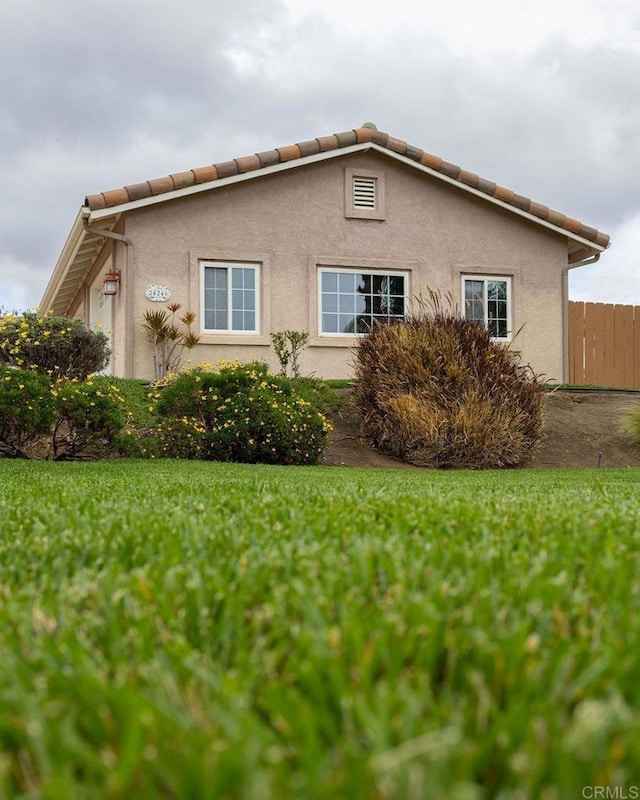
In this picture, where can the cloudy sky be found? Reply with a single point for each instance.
(541, 97)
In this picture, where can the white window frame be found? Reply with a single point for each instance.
(387, 273)
(486, 279)
(229, 266)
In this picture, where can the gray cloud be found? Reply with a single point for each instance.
(98, 95)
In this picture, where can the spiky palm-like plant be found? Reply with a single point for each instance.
(170, 336)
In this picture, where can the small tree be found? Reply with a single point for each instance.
(56, 346)
(288, 346)
(170, 336)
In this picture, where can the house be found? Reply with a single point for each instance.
(326, 236)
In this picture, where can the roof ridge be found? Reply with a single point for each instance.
(368, 132)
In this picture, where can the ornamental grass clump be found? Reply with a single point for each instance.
(436, 391)
(239, 413)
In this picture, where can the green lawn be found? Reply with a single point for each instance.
(192, 630)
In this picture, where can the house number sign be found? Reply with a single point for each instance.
(157, 293)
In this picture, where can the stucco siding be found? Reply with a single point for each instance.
(292, 222)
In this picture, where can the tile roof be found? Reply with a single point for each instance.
(365, 134)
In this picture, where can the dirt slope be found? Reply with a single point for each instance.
(580, 430)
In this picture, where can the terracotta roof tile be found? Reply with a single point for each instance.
(181, 180)
(433, 162)
(452, 170)
(269, 157)
(95, 201)
(380, 138)
(556, 218)
(364, 134)
(538, 210)
(226, 169)
(205, 174)
(289, 153)
(161, 185)
(115, 197)
(310, 148)
(503, 194)
(327, 142)
(138, 191)
(347, 138)
(519, 201)
(397, 145)
(488, 187)
(573, 225)
(248, 163)
(468, 178)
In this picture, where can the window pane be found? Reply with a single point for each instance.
(249, 279)
(473, 300)
(329, 282)
(330, 323)
(347, 323)
(346, 303)
(329, 302)
(238, 321)
(237, 299)
(346, 282)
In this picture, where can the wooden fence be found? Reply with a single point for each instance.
(604, 345)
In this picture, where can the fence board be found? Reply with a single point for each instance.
(576, 342)
(604, 345)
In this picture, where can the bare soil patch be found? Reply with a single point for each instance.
(581, 429)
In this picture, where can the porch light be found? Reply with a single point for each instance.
(111, 282)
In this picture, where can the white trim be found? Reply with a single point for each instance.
(475, 276)
(229, 266)
(327, 268)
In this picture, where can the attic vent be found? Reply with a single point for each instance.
(364, 192)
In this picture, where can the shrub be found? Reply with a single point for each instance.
(55, 346)
(629, 423)
(89, 418)
(242, 413)
(435, 390)
(288, 346)
(26, 410)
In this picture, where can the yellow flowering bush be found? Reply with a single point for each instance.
(239, 413)
(59, 347)
(26, 410)
(89, 418)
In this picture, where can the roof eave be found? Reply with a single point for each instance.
(69, 250)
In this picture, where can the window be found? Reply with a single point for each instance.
(487, 301)
(353, 302)
(230, 297)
